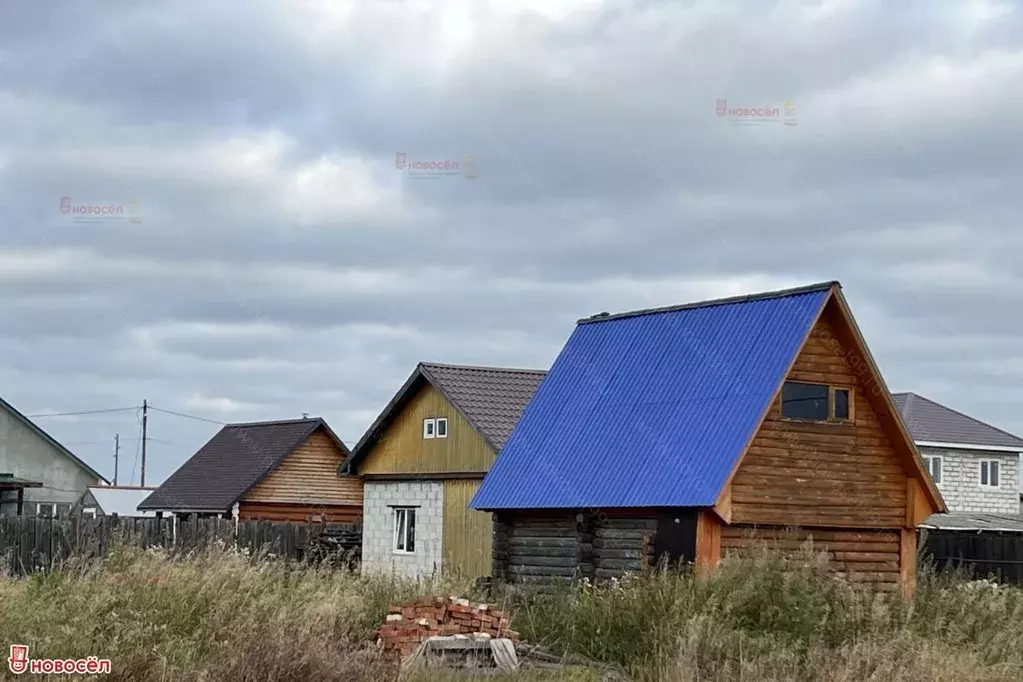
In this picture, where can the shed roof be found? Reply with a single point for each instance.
(490, 398)
(975, 521)
(932, 422)
(652, 408)
(232, 463)
(123, 501)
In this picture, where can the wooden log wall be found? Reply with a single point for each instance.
(871, 557)
(534, 548)
(623, 545)
(541, 548)
(838, 474)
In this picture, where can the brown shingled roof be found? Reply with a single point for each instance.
(932, 422)
(490, 398)
(231, 463)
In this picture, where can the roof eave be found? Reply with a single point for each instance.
(50, 439)
(969, 446)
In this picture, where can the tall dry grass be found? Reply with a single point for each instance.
(223, 615)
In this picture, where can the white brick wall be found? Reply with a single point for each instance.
(960, 481)
(379, 500)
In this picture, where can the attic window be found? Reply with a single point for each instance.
(435, 427)
(816, 402)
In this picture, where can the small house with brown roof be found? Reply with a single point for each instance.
(284, 471)
(423, 459)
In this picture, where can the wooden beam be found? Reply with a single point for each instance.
(21, 501)
(907, 562)
(724, 506)
(708, 541)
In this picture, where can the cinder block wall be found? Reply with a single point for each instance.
(960, 481)
(380, 499)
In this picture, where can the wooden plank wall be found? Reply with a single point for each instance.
(861, 556)
(402, 448)
(467, 534)
(309, 476)
(811, 474)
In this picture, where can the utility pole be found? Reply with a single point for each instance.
(145, 418)
(117, 453)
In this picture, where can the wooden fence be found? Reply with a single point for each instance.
(982, 554)
(33, 544)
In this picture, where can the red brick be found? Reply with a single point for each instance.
(458, 608)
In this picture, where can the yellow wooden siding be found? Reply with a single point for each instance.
(468, 534)
(309, 476)
(402, 448)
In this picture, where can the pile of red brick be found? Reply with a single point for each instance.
(407, 626)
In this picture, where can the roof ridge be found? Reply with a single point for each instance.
(966, 416)
(728, 300)
(484, 368)
(273, 422)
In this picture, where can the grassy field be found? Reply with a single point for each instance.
(228, 616)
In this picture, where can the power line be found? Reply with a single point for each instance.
(187, 416)
(71, 414)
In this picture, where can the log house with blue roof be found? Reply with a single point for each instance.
(682, 433)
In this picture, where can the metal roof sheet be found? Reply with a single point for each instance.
(652, 408)
(931, 422)
(974, 521)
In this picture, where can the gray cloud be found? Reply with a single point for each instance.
(284, 265)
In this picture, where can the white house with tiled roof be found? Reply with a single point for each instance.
(975, 465)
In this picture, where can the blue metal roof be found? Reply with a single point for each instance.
(653, 408)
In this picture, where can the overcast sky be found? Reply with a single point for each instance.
(281, 263)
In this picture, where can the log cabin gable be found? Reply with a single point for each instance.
(859, 471)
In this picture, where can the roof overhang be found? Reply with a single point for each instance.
(968, 446)
(15, 483)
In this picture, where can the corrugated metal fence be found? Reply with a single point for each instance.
(32, 544)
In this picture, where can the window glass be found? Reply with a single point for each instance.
(841, 403)
(804, 401)
(442, 427)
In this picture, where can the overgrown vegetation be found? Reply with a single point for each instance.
(223, 615)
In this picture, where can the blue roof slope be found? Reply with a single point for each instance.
(651, 409)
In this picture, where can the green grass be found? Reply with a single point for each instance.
(223, 615)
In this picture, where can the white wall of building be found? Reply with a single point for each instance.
(379, 500)
(960, 481)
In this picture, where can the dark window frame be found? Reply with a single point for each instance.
(832, 391)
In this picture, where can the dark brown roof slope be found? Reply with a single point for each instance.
(931, 422)
(490, 398)
(231, 463)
